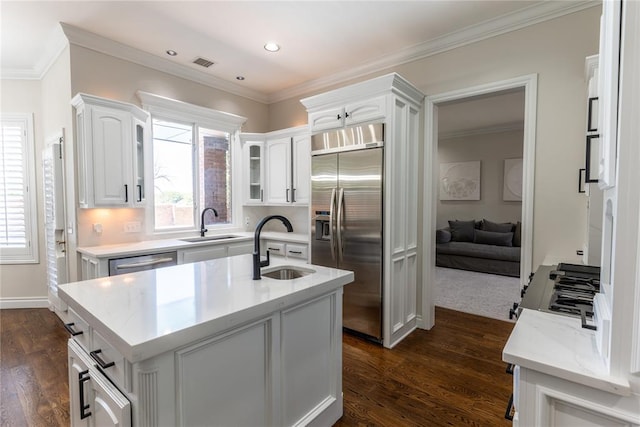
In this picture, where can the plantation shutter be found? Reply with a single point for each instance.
(17, 203)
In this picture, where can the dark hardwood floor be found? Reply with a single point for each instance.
(451, 375)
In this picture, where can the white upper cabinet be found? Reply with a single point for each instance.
(110, 141)
(277, 167)
(348, 114)
(253, 167)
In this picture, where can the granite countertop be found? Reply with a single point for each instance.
(147, 313)
(558, 345)
(155, 246)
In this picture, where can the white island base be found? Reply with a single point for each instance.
(254, 353)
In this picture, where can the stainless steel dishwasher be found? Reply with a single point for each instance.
(141, 263)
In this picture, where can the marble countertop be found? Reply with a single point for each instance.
(559, 346)
(147, 313)
(155, 246)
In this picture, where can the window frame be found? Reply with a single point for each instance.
(30, 254)
(168, 109)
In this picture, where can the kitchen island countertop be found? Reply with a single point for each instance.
(147, 313)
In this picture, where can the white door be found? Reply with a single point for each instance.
(278, 158)
(55, 220)
(301, 168)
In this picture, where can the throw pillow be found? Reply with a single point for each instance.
(495, 227)
(462, 231)
(443, 236)
(517, 235)
(493, 238)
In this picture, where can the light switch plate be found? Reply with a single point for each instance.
(132, 227)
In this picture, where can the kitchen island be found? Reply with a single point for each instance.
(204, 344)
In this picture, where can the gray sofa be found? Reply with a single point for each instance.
(483, 246)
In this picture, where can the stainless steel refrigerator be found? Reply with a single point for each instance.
(346, 218)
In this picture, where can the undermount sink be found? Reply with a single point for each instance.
(288, 273)
(206, 238)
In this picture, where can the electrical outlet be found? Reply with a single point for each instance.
(97, 228)
(246, 221)
(132, 227)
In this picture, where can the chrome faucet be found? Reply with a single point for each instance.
(256, 243)
(202, 229)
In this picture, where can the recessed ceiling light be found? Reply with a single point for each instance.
(240, 78)
(272, 47)
(172, 52)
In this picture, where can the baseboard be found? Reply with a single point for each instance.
(35, 302)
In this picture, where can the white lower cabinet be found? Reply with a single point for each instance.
(286, 250)
(94, 401)
(545, 400)
(284, 369)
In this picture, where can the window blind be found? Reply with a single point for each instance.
(17, 201)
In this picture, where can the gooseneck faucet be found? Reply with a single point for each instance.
(256, 243)
(202, 229)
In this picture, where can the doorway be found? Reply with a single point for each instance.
(432, 178)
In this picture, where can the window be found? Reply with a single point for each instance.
(184, 173)
(18, 226)
(193, 158)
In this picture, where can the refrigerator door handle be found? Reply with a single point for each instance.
(332, 224)
(339, 223)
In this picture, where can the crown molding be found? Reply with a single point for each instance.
(508, 127)
(110, 47)
(54, 47)
(494, 27)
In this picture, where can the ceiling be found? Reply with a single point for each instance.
(323, 42)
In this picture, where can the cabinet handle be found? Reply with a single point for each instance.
(126, 193)
(581, 178)
(81, 380)
(261, 195)
(69, 328)
(293, 194)
(346, 115)
(287, 195)
(274, 249)
(139, 192)
(102, 363)
(339, 117)
(588, 164)
(296, 252)
(590, 127)
(507, 413)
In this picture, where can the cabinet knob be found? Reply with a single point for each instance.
(346, 115)
(339, 116)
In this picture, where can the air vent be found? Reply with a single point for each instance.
(204, 62)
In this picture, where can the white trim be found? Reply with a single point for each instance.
(530, 85)
(26, 302)
(173, 109)
(53, 48)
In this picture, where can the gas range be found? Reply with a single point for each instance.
(566, 289)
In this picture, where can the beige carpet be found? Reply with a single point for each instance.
(486, 295)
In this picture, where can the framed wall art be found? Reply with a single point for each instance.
(460, 181)
(512, 184)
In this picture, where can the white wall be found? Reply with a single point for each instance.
(491, 149)
(26, 283)
(556, 51)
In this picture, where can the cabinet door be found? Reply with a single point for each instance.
(363, 111)
(110, 407)
(139, 134)
(111, 143)
(79, 389)
(278, 180)
(203, 254)
(254, 172)
(301, 169)
(327, 119)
